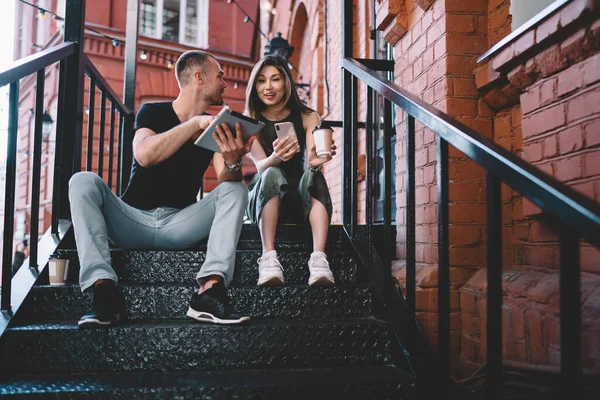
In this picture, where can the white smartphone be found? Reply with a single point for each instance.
(284, 129)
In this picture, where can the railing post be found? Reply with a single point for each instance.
(369, 137)
(121, 134)
(91, 116)
(570, 316)
(9, 201)
(131, 45)
(410, 216)
(111, 146)
(443, 265)
(72, 105)
(347, 44)
(354, 156)
(58, 149)
(37, 167)
(390, 235)
(101, 133)
(494, 285)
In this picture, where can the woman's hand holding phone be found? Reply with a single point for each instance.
(285, 148)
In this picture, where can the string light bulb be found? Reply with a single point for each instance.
(42, 13)
(170, 64)
(115, 42)
(144, 55)
(235, 85)
(246, 19)
(274, 11)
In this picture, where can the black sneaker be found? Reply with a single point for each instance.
(213, 306)
(106, 307)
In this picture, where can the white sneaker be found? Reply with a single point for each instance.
(270, 271)
(320, 274)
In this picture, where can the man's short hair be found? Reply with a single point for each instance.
(189, 62)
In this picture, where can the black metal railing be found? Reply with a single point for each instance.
(74, 65)
(578, 215)
(123, 142)
(35, 64)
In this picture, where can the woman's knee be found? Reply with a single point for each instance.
(273, 180)
(273, 174)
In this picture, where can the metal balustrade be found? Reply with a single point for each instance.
(73, 64)
(579, 216)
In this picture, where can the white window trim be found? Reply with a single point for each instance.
(182, 19)
(201, 21)
(159, 19)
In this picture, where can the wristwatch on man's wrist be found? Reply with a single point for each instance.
(234, 167)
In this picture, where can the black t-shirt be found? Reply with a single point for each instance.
(174, 182)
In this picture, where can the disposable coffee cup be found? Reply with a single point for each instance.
(323, 136)
(58, 269)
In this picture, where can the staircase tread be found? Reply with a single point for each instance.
(98, 382)
(203, 250)
(72, 325)
(192, 285)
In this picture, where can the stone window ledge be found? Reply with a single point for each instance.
(566, 32)
(524, 30)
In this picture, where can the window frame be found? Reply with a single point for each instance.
(520, 31)
(201, 23)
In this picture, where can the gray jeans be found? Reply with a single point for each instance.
(100, 216)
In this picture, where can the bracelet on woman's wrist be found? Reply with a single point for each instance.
(314, 169)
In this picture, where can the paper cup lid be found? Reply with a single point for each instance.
(323, 125)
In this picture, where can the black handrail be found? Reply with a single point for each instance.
(125, 115)
(572, 208)
(35, 62)
(579, 215)
(73, 65)
(91, 70)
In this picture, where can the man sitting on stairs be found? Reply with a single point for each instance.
(159, 209)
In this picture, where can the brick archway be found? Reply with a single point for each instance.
(297, 33)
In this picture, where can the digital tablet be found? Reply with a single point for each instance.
(250, 127)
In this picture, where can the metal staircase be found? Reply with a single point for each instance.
(303, 342)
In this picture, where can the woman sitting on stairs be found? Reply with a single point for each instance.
(284, 188)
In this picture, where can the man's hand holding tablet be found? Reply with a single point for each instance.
(227, 120)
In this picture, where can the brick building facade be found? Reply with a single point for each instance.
(537, 95)
(234, 45)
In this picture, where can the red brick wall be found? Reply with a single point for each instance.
(436, 47)
(154, 82)
(436, 61)
(561, 134)
(545, 111)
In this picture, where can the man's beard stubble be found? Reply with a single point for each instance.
(216, 99)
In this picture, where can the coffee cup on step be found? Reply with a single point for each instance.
(58, 270)
(323, 135)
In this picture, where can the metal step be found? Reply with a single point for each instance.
(143, 266)
(169, 302)
(288, 236)
(381, 382)
(183, 345)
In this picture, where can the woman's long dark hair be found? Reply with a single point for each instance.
(254, 105)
